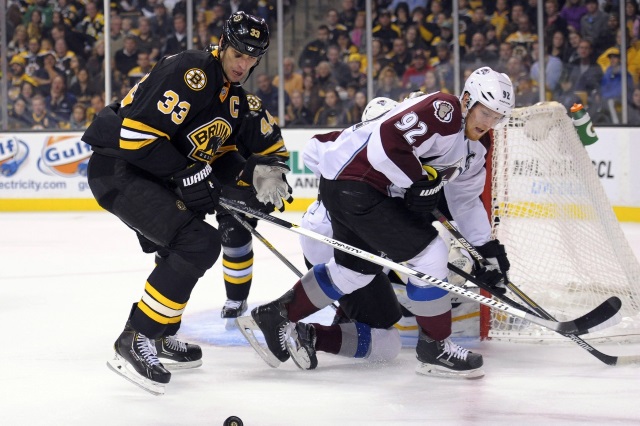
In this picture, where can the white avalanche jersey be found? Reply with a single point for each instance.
(388, 154)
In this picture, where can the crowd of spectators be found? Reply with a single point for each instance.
(56, 54)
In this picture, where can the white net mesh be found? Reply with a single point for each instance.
(565, 245)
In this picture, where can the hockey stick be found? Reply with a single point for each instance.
(607, 359)
(608, 310)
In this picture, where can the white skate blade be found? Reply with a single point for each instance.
(440, 371)
(124, 369)
(230, 324)
(173, 365)
(246, 325)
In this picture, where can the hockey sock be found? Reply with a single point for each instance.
(312, 292)
(328, 338)
(437, 327)
(237, 273)
(300, 305)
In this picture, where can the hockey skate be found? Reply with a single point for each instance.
(136, 360)
(231, 310)
(301, 344)
(178, 355)
(271, 320)
(446, 359)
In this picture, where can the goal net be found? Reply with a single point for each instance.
(566, 248)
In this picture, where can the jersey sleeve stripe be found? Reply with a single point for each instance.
(137, 144)
(277, 148)
(143, 128)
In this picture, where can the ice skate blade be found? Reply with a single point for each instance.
(247, 325)
(174, 365)
(123, 368)
(439, 371)
(299, 355)
(230, 324)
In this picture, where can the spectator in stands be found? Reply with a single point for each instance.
(78, 43)
(27, 92)
(316, 50)
(634, 108)
(324, 78)
(202, 38)
(218, 19)
(332, 113)
(40, 118)
(311, 94)
(339, 69)
(357, 105)
(389, 85)
(117, 35)
(478, 23)
(93, 22)
(399, 57)
(59, 101)
(413, 76)
(292, 78)
(143, 67)
(63, 56)
(492, 42)
(593, 26)
(44, 76)
(43, 7)
(500, 18)
(504, 54)
(296, 113)
(82, 88)
(69, 12)
(524, 36)
(17, 66)
(553, 69)
(356, 76)
(517, 10)
(586, 74)
(20, 41)
(478, 55)
(553, 21)
(413, 40)
(95, 65)
(33, 57)
(177, 41)
(446, 35)
(19, 116)
(358, 32)
(526, 95)
(269, 94)
(147, 42)
(565, 93)
(348, 14)
(401, 15)
(345, 46)
(574, 41)
(75, 64)
(611, 84)
(379, 55)
(559, 47)
(96, 105)
(385, 30)
(515, 68)
(572, 12)
(78, 120)
(631, 14)
(126, 58)
(444, 67)
(332, 20)
(161, 23)
(35, 29)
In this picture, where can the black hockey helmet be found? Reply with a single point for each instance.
(246, 33)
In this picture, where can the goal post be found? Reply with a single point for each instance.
(548, 207)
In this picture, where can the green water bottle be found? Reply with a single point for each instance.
(583, 124)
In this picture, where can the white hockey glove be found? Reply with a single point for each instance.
(494, 274)
(267, 176)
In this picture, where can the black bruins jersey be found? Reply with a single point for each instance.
(182, 112)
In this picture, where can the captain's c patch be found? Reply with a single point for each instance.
(195, 79)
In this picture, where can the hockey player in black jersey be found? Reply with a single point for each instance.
(162, 156)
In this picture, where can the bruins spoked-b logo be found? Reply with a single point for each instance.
(195, 79)
(207, 138)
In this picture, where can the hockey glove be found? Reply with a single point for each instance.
(246, 197)
(495, 273)
(423, 195)
(267, 176)
(199, 189)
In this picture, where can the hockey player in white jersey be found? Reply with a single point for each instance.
(379, 182)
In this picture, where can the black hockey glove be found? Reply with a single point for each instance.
(423, 195)
(494, 274)
(266, 174)
(246, 197)
(199, 189)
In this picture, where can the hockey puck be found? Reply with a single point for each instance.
(233, 421)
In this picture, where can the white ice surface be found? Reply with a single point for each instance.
(67, 281)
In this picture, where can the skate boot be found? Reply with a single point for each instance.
(446, 359)
(136, 360)
(178, 355)
(301, 345)
(272, 321)
(231, 310)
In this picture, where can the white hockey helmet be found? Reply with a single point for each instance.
(377, 107)
(491, 88)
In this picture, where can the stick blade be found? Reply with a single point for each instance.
(247, 325)
(603, 316)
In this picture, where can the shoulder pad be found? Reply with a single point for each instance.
(255, 103)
